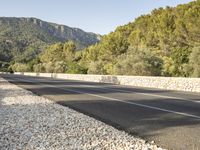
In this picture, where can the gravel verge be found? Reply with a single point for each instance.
(28, 121)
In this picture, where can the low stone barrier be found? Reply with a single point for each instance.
(169, 83)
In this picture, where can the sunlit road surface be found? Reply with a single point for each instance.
(171, 119)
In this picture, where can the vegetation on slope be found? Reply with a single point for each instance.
(22, 39)
(165, 42)
(160, 43)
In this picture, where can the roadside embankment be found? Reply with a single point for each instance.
(168, 83)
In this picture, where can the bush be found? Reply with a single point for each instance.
(96, 67)
(19, 67)
(75, 68)
(193, 68)
(140, 62)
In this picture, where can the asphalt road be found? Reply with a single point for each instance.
(170, 118)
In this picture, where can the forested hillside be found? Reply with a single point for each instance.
(21, 39)
(165, 42)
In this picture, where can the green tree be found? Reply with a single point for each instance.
(69, 49)
(193, 68)
(19, 67)
(139, 62)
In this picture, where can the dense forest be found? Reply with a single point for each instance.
(163, 43)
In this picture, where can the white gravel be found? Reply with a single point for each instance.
(31, 122)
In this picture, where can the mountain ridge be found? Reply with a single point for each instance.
(20, 34)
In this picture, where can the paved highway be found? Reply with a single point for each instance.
(170, 118)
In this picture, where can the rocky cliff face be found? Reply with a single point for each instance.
(59, 32)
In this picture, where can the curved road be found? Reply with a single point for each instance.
(170, 118)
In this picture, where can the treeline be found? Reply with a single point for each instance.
(59, 58)
(163, 43)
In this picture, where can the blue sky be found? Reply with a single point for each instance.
(99, 16)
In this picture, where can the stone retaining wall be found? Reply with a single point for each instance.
(169, 83)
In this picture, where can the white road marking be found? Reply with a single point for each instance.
(160, 96)
(139, 93)
(114, 99)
